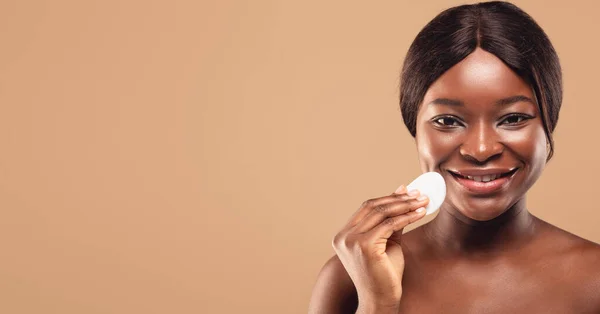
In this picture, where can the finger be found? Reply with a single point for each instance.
(366, 206)
(400, 190)
(381, 212)
(386, 228)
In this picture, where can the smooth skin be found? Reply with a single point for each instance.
(481, 253)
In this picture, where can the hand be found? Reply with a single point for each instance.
(369, 245)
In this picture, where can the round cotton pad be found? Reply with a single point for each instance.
(432, 185)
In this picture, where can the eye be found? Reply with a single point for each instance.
(446, 121)
(516, 119)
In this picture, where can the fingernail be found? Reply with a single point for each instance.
(400, 189)
(413, 192)
(420, 210)
(421, 198)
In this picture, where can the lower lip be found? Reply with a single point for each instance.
(484, 187)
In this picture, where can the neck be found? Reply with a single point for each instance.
(453, 233)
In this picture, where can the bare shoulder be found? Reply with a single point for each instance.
(334, 291)
(576, 248)
(578, 259)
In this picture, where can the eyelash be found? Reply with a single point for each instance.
(524, 118)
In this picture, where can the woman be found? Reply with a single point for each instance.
(480, 91)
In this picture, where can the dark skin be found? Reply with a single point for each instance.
(482, 253)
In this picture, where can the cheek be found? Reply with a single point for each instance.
(528, 144)
(435, 147)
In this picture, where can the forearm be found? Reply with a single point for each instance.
(373, 308)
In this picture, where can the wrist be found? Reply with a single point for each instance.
(378, 307)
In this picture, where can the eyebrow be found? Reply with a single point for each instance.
(502, 102)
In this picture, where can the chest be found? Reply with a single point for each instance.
(493, 289)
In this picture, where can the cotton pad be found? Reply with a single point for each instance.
(432, 185)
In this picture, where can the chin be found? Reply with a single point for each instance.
(482, 215)
(482, 209)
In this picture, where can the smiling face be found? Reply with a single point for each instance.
(479, 122)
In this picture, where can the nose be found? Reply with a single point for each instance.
(481, 144)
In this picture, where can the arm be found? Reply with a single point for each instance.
(334, 291)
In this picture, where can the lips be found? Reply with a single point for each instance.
(483, 181)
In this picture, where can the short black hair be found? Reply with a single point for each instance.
(498, 27)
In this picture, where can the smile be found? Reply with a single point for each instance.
(483, 181)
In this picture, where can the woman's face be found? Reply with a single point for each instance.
(477, 122)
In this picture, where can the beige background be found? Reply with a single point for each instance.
(199, 156)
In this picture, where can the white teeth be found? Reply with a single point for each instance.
(485, 178)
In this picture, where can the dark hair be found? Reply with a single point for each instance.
(500, 28)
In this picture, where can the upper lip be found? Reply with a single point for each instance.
(481, 172)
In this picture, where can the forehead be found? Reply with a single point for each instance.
(479, 81)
